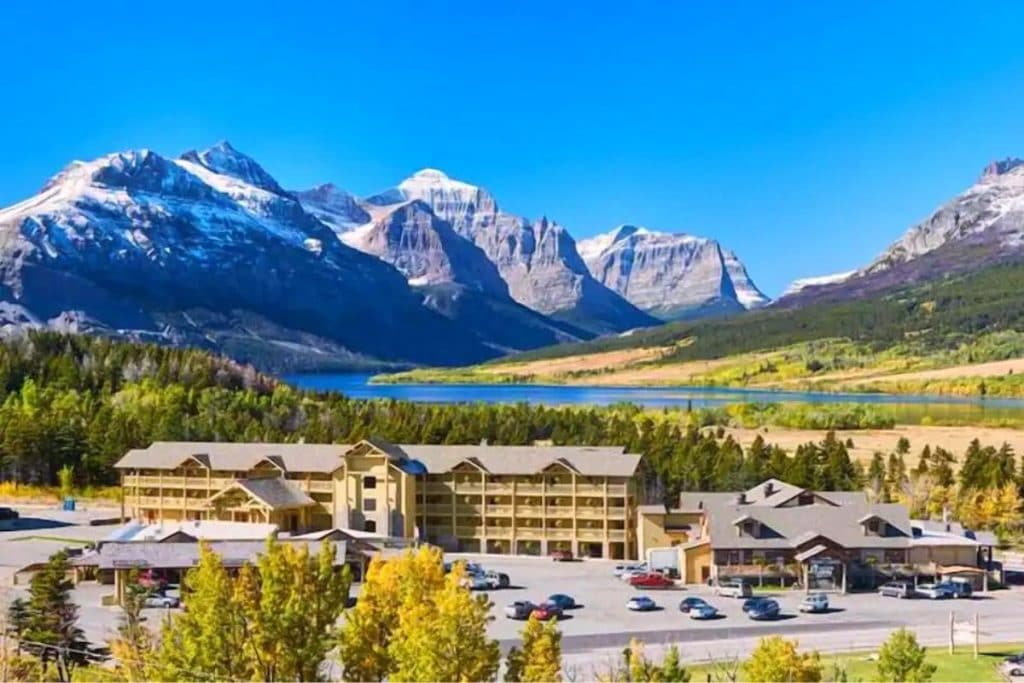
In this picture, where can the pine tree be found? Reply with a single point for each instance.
(672, 670)
(51, 630)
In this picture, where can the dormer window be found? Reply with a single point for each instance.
(749, 528)
(874, 526)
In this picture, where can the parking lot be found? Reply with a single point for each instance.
(604, 622)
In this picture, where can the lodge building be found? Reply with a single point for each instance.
(494, 499)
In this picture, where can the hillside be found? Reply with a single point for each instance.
(959, 325)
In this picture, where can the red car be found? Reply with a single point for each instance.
(546, 611)
(651, 580)
(561, 555)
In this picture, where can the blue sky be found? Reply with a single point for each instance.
(805, 136)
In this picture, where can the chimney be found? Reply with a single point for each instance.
(768, 489)
(741, 498)
(945, 518)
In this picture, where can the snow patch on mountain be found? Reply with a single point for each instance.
(801, 284)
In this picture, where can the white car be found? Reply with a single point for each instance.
(630, 573)
(814, 602)
(621, 569)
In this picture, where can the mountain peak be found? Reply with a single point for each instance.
(430, 173)
(998, 168)
(224, 159)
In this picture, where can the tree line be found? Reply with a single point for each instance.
(289, 616)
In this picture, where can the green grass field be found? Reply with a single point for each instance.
(954, 668)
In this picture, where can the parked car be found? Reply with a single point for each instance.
(897, 589)
(750, 602)
(734, 589)
(764, 609)
(621, 569)
(563, 601)
(546, 611)
(651, 580)
(476, 582)
(628, 574)
(703, 611)
(959, 588)
(641, 603)
(520, 609)
(686, 604)
(561, 555)
(497, 580)
(164, 601)
(933, 591)
(814, 602)
(1011, 669)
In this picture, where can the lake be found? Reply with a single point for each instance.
(906, 408)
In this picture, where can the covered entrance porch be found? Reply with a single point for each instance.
(824, 565)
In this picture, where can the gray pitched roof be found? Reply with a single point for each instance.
(609, 461)
(788, 527)
(240, 457)
(236, 456)
(276, 492)
(149, 555)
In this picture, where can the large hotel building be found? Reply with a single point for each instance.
(493, 499)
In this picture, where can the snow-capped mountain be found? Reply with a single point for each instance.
(208, 250)
(803, 283)
(670, 276)
(981, 226)
(537, 259)
(336, 208)
(425, 248)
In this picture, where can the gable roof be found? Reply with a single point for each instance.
(413, 458)
(143, 555)
(274, 492)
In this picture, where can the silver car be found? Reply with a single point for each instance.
(165, 601)
(520, 609)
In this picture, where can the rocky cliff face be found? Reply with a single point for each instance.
(670, 276)
(208, 250)
(981, 226)
(537, 260)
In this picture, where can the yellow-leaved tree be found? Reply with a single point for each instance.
(777, 659)
(413, 623)
(275, 621)
(445, 637)
(540, 658)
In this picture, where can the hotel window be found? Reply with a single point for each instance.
(369, 504)
(369, 482)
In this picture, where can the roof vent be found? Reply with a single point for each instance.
(484, 442)
(769, 489)
(741, 498)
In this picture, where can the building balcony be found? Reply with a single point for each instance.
(499, 487)
(590, 534)
(559, 489)
(498, 510)
(529, 532)
(498, 532)
(560, 511)
(469, 531)
(616, 535)
(319, 486)
(566, 533)
(590, 512)
(166, 502)
(529, 511)
(529, 489)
